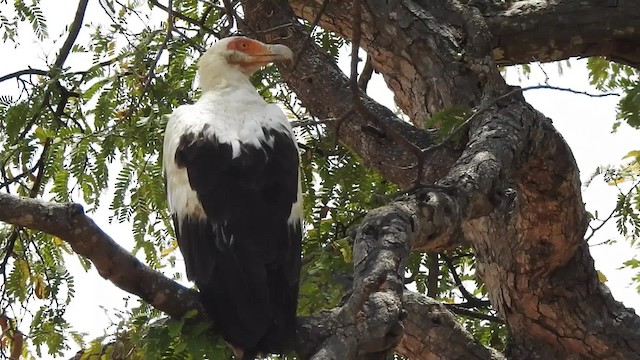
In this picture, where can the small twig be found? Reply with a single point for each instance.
(184, 17)
(103, 63)
(474, 314)
(314, 24)
(433, 276)
(231, 14)
(472, 301)
(189, 40)
(24, 72)
(163, 46)
(37, 183)
(271, 29)
(365, 75)
(559, 88)
(605, 221)
(309, 122)
(152, 68)
(544, 72)
(8, 250)
(485, 106)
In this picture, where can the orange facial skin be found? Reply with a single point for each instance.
(249, 55)
(247, 46)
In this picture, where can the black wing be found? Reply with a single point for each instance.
(246, 257)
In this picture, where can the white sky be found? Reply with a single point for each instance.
(584, 122)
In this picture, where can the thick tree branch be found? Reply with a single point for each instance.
(429, 320)
(68, 222)
(323, 88)
(516, 191)
(547, 31)
(540, 31)
(382, 238)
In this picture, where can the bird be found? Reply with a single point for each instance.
(231, 165)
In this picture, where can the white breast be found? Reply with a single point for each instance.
(235, 116)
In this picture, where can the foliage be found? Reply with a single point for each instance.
(609, 76)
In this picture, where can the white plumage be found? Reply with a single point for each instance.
(233, 186)
(234, 113)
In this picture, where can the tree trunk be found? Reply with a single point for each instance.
(516, 191)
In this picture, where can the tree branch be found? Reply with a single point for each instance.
(19, 73)
(515, 188)
(472, 301)
(384, 237)
(427, 320)
(522, 33)
(74, 30)
(68, 222)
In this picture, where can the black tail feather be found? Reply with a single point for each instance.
(252, 303)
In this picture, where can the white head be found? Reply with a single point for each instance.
(237, 56)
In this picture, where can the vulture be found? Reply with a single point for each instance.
(231, 167)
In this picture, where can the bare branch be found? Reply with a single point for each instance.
(74, 30)
(428, 320)
(19, 73)
(559, 88)
(366, 74)
(595, 229)
(314, 23)
(68, 222)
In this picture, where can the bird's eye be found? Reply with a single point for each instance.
(244, 45)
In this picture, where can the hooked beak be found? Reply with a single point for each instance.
(273, 52)
(250, 55)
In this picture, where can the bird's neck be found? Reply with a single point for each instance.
(218, 78)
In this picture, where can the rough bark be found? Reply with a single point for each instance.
(525, 31)
(428, 324)
(115, 264)
(517, 191)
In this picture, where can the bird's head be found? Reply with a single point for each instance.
(239, 53)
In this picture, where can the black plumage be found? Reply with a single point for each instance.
(245, 256)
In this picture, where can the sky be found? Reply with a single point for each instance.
(584, 122)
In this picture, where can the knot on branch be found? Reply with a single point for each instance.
(379, 325)
(370, 320)
(74, 210)
(442, 216)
